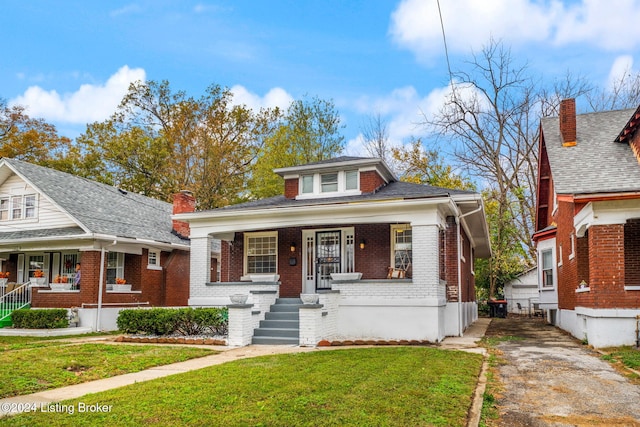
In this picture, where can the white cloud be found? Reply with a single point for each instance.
(276, 97)
(469, 24)
(621, 65)
(90, 103)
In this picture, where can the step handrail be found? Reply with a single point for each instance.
(19, 297)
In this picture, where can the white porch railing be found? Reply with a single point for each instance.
(14, 299)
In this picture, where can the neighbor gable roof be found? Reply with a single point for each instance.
(97, 208)
(596, 164)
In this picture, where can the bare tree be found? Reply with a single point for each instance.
(490, 122)
(622, 93)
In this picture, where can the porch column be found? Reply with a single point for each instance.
(426, 262)
(200, 267)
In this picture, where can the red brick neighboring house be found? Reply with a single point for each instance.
(588, 224)
(51, 220)
(343, 216)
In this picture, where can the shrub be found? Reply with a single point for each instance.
(40, 319)
(166, 321)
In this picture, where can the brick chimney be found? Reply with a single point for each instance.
(568, 122)
(183, 202)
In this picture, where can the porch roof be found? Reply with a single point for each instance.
(41, 233)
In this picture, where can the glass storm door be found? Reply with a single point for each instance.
(328, 257)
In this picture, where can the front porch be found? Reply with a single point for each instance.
(422, 302)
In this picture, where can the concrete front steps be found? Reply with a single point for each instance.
(281, 324)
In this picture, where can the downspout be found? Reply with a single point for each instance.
(458, 220)
(100, 285)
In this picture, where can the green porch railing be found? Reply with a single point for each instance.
(13, 298)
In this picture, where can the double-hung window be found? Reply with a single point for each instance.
(115, 267)
(401, 247)
(329, 182)
(18, 207)
(261, 253)
(547, 268)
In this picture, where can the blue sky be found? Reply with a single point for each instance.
(70, 62)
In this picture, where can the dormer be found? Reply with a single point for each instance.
(339, 177)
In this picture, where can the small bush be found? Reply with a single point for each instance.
(40, 319)
(167, 321)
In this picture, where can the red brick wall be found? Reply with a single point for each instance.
(370, 181)
(169, 286)
(183, 202)
(451, 259)
(176, 283)
(568, 120)
(291, 188)
(290, 275)
(568, 271)
(374, 260)
(468, 279)
(607, 269)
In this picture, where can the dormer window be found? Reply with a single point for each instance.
(331, 184)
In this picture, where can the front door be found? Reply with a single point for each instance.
(328, 257)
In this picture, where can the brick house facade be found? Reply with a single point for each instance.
(588, 216)
(110, 232)
(410, 246)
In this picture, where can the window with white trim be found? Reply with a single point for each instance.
(401, 246)
(115, 267)
(329, 182)
(261, 253)
(18, 207)
(4, 208)
(547, 268)
(351, 180)
(153, 260)
(307, 184)
(572, 255)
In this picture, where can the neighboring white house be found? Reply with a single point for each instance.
(410, 250)
(522, 290)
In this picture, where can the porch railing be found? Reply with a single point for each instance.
(15, 299)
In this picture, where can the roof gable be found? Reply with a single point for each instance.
(100, 208)
(596, 164)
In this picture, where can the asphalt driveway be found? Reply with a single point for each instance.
(551, 379)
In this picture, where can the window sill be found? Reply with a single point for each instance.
(632, 288)
(123, 292)
(581, 290)
(59, 291)
(154, 267)
(547, 289)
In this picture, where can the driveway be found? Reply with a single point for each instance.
(550, 379)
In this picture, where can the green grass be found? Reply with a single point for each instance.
(408, 386)
(628, 356)
(30, 365)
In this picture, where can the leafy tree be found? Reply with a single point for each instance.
(308, 132)
(28, 139)
(428, 167)
(160, 141)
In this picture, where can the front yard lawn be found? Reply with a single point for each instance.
(408, 386)
(35, 365)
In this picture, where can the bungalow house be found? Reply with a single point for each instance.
(588, 224)
(51, 220)
(388, 260)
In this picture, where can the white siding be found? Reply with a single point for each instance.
(47, 216)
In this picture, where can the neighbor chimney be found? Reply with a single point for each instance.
(568, 122)
(183, 202)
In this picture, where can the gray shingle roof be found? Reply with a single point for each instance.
(393, 190)
(596, 164)
(36, 234)
(101, 208)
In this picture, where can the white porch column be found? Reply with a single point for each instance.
(200, 267)
(426, 262)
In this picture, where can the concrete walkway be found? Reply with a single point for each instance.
(14, 405)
